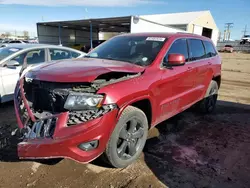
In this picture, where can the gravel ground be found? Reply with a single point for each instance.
(188, 150)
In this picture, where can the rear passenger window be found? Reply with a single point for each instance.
(179, 47)
(210, 51)
(58, 54)
(196, 49)
(75, 54)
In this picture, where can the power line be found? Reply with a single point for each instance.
(227, 31)
(245, 30)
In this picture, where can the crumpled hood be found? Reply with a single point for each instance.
(80, 70)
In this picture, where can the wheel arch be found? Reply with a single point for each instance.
(143, 103)
(218, 80)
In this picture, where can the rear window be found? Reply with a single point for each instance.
(210, 51)
(196, 49)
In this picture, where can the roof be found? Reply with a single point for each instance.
(26, 46)
(182, 18)
(114, 24)
(166, 35)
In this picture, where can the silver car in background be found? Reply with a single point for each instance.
(17, 59)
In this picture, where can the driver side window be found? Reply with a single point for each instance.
(35, 56)
(179, 47)
(19, 58)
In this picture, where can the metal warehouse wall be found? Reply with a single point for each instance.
(141, 25)
(69, 37)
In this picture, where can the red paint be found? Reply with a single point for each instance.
(170, 91)
(176, 59)
(81, 70)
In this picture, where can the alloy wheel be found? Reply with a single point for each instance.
(130, 139)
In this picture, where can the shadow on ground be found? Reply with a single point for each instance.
(8, 142)
(193, 150)
(10, 137)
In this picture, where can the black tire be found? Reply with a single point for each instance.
(208, 104)
(128, 138)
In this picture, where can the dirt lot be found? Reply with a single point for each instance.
(188, 151)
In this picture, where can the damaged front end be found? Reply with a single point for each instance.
(39, 104)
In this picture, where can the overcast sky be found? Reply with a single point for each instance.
(24, 14)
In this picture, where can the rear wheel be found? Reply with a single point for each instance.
(128, 138)
(208, 104)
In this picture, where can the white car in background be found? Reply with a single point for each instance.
(245, 39)
(17, 59)
(9, 42)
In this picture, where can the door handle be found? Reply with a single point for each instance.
(209, 63)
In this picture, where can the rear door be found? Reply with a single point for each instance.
(211, 54)
(200, 63)
(176, 84)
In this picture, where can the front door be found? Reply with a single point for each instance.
(176, 84)
(10, 77)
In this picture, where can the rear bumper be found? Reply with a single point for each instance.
(65, 140)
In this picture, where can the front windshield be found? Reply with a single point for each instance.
(7, 51)
(140, 50)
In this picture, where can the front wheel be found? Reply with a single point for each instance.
(128, 138)
(208, 104)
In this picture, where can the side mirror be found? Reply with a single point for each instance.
(12, 63)
(175, 60)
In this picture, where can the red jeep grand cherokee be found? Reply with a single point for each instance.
(106, 102)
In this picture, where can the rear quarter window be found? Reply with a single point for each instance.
(196, 49)
(210, 50)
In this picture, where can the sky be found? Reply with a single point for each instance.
(24, 14)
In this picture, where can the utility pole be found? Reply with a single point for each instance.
(227, 32)
(245, 31)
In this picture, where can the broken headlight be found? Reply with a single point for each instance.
(83, 101)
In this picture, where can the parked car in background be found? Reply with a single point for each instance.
(17, 59)
(33, 41)
(105, 103)
(7, 43)
(245, 39)
(227, 48)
